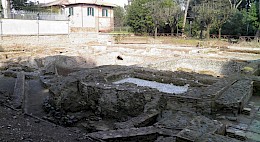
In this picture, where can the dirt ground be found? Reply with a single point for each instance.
(15, 126)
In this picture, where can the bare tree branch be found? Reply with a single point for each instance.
(239, 3)
(231, 5)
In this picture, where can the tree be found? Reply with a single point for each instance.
(236, 24)
(185, 16)
(25, 5)
(18, 4)
(254, 17)
(6, 8)
(222, 13)
(234, 4)
(119, 16)
(157, 12)
(164, 12)
(211, 13)
(170, 13)
(139, 18)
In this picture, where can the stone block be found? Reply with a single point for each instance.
(19, 91)
(246, 111)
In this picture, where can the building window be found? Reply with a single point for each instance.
(71, 12)
(90, 11)
(104, 13)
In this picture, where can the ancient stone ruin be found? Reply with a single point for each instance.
(181, 99)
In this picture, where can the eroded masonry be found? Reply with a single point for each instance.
(139, 92)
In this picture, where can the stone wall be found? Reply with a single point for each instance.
(119, 101)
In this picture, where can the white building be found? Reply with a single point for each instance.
(87, 15)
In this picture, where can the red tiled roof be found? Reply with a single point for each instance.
(70, 2)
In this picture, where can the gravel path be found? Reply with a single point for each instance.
(166, 88)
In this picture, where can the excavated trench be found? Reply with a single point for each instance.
(149, 100)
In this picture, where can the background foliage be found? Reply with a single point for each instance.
(204, 17)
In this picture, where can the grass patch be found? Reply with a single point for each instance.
(179, 41)
(194, 42)
(248, 69)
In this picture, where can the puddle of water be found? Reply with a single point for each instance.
(166, 88)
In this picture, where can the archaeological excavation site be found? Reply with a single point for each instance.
(94, 88)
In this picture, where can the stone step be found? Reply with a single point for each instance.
(150, 133)
(235, 97)
(139, 121)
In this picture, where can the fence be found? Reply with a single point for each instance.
(229, 38)
(32, 15)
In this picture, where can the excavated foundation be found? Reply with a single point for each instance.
(135, 94)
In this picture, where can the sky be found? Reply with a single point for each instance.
(117, 2)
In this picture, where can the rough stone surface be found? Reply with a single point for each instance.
(199, 126)
(125, 133)
(236, 96)
(88, 89)
(139, 121)
(216, 138)
(165, 139)
(85, 97)
(118, 102)
(174, 121)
